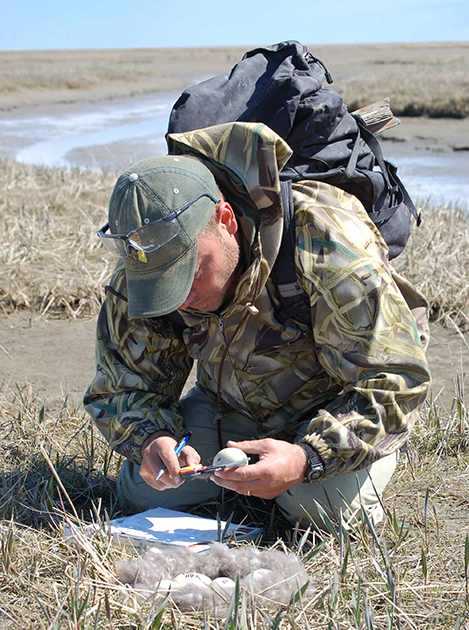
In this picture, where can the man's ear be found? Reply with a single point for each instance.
(227, 218)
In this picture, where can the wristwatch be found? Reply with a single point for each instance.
(315, 469)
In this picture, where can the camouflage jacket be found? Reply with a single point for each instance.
(358, 373)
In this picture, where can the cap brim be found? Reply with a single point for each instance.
(160, 292)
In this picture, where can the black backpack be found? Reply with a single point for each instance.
(282, 86)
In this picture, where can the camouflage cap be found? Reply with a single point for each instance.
(159, 282)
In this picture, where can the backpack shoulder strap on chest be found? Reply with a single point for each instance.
(294, 301)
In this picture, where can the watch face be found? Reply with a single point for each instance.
(315, 473)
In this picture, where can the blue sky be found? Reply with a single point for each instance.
(29, 24)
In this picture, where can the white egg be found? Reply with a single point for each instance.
(185, 579)
(261, 573)
(168, 585)
(262, 579)
(223, 585)
(231, 456)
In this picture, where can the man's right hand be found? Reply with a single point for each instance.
(157, 449)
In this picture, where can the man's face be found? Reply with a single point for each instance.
(217, 261)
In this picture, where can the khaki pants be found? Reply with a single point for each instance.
(344, 492)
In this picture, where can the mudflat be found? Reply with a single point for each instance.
(56, 357)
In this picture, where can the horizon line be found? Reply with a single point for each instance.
(224, 47)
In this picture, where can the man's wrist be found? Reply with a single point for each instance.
(315, 467)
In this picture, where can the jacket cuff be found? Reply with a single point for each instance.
(131, 447)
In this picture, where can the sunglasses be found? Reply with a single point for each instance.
(148, 237)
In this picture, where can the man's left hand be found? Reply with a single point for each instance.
(281, 466)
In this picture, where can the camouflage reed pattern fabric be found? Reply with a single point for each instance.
(359, 372)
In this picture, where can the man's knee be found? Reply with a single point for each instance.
(343, 496)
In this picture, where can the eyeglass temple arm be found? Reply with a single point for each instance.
(105, 228)
(180, 210)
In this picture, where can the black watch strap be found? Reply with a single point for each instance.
(315, 469)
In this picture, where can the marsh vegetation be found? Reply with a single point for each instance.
(421, 79)
(51, 262)
(409, 572)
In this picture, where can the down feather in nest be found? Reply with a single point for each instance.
(271, 575)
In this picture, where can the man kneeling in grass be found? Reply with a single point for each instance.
(321, 407)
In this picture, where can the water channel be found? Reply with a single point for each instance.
(112, 135)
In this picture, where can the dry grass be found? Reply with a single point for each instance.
(436, 260)
(410, 572)
(125, 71)
(421, 80)
(51, 262)
(48, 71)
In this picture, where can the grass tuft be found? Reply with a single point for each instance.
(51, 262)
(436, 252)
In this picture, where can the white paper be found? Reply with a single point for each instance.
(160, 525)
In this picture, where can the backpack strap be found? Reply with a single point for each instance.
(294, 301)
(393, 183)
